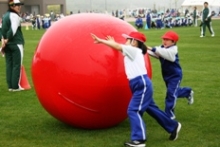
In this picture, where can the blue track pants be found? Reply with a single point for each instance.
(142, 100)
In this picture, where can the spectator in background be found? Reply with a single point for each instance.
(116, 13)
(195, 16)
(148, 19)
(33, 22)
(206, 20)
(139, 22)
(113, 13)
(159, 22)
(52, 15)
(46, 21)
(186, 12)
(38, 20)
(153, 23)
(122, 15)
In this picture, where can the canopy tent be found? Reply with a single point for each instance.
(197, 2)
(216, 3)
(190, 4)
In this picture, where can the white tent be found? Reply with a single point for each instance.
(190, 4)
(216, 3)
(216, 6)
(193, 3)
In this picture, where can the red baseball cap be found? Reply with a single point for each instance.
(136, 35)
(171, 35)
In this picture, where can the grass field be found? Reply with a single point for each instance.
(24, 122)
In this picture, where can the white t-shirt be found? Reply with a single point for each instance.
(133, 61)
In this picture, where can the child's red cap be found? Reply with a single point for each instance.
(136, 35)
(171, 35)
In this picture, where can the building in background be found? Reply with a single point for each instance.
(40, 7)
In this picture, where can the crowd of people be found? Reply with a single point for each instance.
(161, 21)
(41, 21)
(169, 19)
(144, 18)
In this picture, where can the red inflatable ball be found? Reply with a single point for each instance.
(78, 82)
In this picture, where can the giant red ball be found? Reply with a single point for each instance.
(78, 82)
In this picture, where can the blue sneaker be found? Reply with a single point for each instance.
(174, 134)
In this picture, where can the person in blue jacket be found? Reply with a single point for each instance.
(148, 19)
(139, 22)
(141, 87)
(167, 53)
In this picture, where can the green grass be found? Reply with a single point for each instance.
(24, 122)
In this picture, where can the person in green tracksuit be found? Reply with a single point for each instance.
(206, 20)
(195, 15)
(12, 44)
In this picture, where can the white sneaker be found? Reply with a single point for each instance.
(202, 36)
(135, 143)
(191, 98)
(213, 35)
(10, 89)
(19, 89)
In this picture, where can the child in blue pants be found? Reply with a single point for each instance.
(171, 71)
(141, 87)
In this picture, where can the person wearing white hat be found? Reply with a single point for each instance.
(15, 2)
(141, 88)
(12, 44)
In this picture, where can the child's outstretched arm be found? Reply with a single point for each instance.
(151, 53)
(168, 54)
(109, 41)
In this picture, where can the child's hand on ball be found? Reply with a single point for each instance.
(96, 39)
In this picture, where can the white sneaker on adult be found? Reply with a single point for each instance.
(19, 89)
(213, 35)
(202, 36)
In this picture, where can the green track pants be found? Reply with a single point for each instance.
(209, 25)
(13, 57)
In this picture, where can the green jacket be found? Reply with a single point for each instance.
(195, 13)
(11, 28)
(206, 14)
